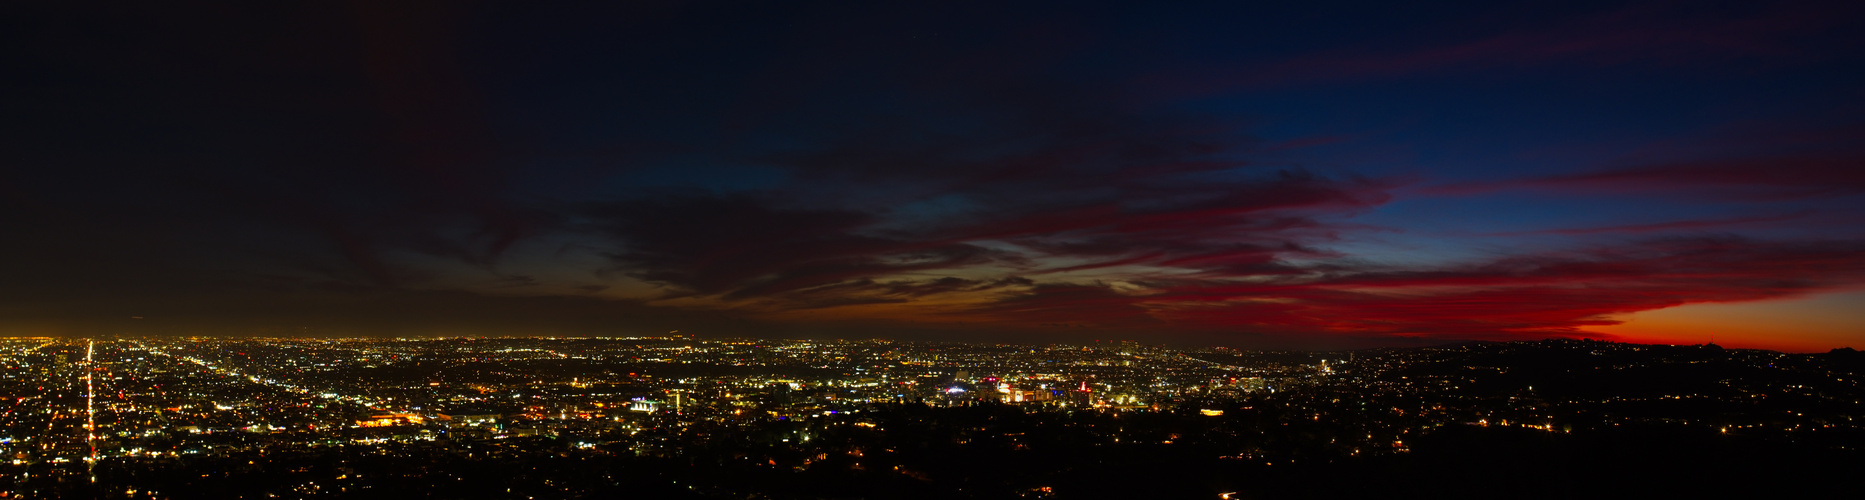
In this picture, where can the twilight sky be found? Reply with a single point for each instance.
(1320, 175)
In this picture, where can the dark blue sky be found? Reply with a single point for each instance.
(1312, 175)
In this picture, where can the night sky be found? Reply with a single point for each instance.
(1284, 175)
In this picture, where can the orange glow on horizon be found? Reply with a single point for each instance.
(1809, 324)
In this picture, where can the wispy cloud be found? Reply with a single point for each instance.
(1664, 33)
(1659, 226)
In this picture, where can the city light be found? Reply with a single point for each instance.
(146, 402)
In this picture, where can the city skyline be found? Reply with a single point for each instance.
(1322, 176)
(680, 417)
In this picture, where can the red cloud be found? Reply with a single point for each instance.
(1752, 179)
(1524, 296)
(1660, 226)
